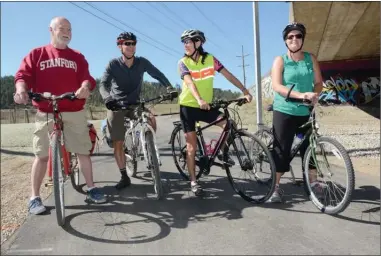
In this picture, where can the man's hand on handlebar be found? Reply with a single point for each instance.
(111, 104)
(21, 97)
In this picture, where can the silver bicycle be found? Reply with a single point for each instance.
(143, 138)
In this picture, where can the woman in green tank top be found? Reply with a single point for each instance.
(302, 69)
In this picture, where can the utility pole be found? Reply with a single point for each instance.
(243, 66)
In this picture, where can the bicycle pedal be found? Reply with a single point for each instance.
(49, 184)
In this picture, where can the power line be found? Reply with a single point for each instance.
(119, 28)
(175, 14)
(210, 20)
(189, 26)
(153, 18)
(243, 66)
(108, 15)
(165, 15)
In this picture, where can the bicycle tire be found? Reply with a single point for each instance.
(271, 181)
(178, 129)
(154, 165)
(74, 172)
(265, 133)
(350, 178)
(58, 180)
(131, 170)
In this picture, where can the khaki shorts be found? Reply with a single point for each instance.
(76, 133)
(115, 123)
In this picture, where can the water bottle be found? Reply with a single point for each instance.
(297, 139)
(209, 148)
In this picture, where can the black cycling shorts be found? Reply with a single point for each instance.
(285, 127)
(189, 116)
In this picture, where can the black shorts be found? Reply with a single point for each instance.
(189, 116)
(285, 127)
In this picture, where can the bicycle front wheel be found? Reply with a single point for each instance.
(179, 153)
(154, 165)
(326, 161)
(58, 179)
(252, 175)
(131, 153)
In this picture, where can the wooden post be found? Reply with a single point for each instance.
(10, 116)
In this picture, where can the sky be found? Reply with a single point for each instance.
(158, 26)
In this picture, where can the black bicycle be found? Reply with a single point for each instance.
(249, 161)
(321, 149)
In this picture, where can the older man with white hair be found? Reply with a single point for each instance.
(58, 69)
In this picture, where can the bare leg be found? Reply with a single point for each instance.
(39, 168)
(119, 155)
(86, 167)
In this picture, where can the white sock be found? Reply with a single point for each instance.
(193, 183)
(90, 188)
(33, 197)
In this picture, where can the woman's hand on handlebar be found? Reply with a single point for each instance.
(203, 104)
(311, 96)
(247, 95)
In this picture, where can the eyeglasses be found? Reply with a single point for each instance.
(129, 43)
(298, 36)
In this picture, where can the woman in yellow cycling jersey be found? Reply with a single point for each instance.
(197, 69)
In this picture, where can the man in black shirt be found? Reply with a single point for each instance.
(122, 80)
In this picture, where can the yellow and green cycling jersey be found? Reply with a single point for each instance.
(203, 77)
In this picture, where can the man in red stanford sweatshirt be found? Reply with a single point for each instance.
(57, 69)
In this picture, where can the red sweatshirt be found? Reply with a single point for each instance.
(48, 69)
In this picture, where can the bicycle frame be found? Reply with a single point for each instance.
(58, 129)
(145, 126)
(222, 139)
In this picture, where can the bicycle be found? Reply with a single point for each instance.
(205, 160)
(316, 142)
(58, 156)
(146, 141)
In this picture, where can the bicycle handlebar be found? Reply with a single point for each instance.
(50, 97)
(123, 105)
(307, 102)
(226, 103)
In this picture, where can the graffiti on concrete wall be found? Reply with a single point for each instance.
(352, 90)
(356, 82)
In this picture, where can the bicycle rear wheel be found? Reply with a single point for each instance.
(179, 153)
(74, 172)
(154, 165)
(250, 159)
(58, 179)
(329, 153)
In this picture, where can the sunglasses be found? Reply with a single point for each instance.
(129, 43)
(189, 41)
(298, 36)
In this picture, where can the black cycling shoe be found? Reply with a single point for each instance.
(123, 183)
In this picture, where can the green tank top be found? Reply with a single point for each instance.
(300, 73)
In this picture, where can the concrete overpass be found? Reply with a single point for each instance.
(340, 30)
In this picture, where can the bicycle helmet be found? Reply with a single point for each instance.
(193, 34)
(125, 36)
(294, 26)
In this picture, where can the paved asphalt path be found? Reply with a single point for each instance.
(133, 222)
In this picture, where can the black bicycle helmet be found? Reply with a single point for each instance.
(125, 36)
(294, 26)
(193, 34)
